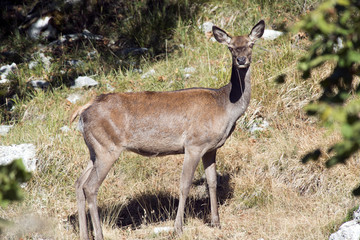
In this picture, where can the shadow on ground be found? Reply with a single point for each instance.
(153, 208)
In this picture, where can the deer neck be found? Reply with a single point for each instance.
(238, 91)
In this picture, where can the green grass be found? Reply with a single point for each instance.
(267, 186)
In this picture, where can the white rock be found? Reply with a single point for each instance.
(149, 73)
(109, 87)
(206, 27)
(4, 129)
(349, 230)
(5, 70)
(338, 45)
(65, 129)
(75, 63)
(84, 82)
(42, 84)
(73, 98)
(33, 64)
(45, 60)
(271, 34)
(92, 54)
(26, 152)
(357, 215)
(187, 75)
(259, 127)
(159, 230)
(41, 59)
(189, 70)
(42, 28)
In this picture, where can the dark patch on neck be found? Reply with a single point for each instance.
(237, 83)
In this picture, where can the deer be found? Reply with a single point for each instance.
(194, 122)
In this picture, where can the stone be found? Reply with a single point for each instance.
(187, 75)
(39, 84)
(149, 73)
(41, 58)
(73, 98)
(42, 28)
(26, 152)
(349, 230)
(206, 27)
(65, 129)
(189, 70)
(159, 230)
(4, 129)
(84, 81)
(4, 72)
(271, 34)
(75, 63)
(259, 127)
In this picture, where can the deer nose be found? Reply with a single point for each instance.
(241, 60)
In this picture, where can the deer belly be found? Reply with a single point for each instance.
(153, 142)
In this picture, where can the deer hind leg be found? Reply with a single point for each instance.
(81, 201)
(210, 172)
(191, 160)
(102, 166)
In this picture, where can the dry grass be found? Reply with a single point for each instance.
(265, 191)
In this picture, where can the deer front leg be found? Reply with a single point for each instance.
(191, 160)
(210, 172)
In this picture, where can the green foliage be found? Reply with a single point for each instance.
(334, 28)
(10, 177)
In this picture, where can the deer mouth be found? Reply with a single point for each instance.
(242, 62)
(243, 65)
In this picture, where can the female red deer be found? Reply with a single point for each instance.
(195, 122)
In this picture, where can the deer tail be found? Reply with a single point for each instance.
(79, 111)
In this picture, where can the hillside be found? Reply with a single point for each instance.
(264, 191)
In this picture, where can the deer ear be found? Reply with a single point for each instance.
(257, 31)
(221, 36)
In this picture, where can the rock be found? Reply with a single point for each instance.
(338, 45)
(73, 98)
(75, 63)
(42, 28)
(65, 129)
(259, 127)
(92, 54)
(149, 73)
(206, 27)
(33, 64)
(4, 129)
(40, 59)
(189, 70)
(187, 75)
(159, 230)
(110, 88)
(86, 34)
(349, 230)
(137, 70)
(81, 82)
(5, 70)
(26, 152)
(271, 34)
(39, 84)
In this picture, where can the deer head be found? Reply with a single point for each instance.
(240, 46)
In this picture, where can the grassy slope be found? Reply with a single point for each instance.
(269, 193)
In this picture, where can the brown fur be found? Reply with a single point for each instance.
(195, 122)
